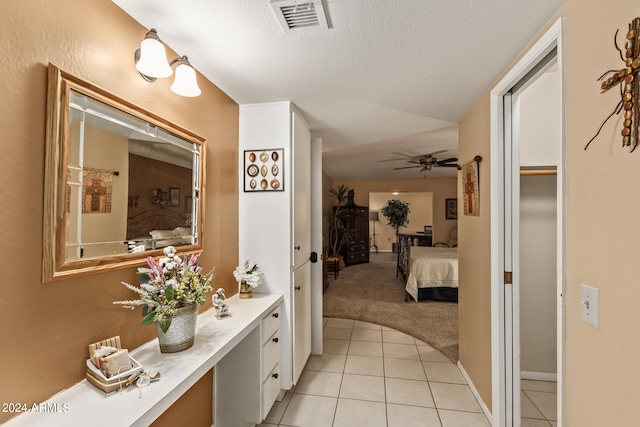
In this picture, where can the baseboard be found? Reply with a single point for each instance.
(538, 376)
(472, 386)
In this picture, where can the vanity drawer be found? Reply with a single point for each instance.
(270, 391)
(270, 324)
(270, 354)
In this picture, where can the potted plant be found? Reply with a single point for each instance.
(248, 276)
(339, 233)
(170, 290)
(397, 214)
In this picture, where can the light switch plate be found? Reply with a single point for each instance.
(590, 305)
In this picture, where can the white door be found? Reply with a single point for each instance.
(301, 167)
(301, 242)
(302, 319)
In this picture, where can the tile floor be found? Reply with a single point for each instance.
(371, 375)
(538, 400)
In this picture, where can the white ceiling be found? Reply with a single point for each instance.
(387, 76)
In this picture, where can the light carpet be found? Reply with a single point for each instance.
(372, 293)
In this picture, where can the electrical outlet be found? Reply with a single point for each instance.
(590, 303)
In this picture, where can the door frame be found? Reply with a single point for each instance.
(505, 299)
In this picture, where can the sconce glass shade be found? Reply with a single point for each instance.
(153, 57)
(185, 83)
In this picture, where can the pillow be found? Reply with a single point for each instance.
(182, 231)
(162, 234)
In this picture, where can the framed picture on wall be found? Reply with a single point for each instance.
(451, 209)
(174, 196)
(263, 170)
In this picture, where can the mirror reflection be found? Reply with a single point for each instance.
(130, 183)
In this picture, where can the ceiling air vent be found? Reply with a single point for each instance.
(294, 15)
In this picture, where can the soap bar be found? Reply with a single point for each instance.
(116, 363)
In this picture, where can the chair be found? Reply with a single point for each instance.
(452, 243)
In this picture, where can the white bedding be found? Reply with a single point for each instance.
(431, 267)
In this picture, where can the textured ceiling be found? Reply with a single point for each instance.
(387, 76)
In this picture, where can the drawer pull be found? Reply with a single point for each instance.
(275, 339)
(275, 315)
(298, 288)
(275, 375)
(297, 248)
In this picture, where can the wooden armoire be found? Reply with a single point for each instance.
(356, 251)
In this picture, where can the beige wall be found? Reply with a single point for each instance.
(474, 260)
(601, 232)
(442, 188)
(420, 214)
(47, 327)
(602, 203)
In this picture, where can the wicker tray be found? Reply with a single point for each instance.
(108, 385)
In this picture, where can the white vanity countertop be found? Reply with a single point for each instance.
(83, 404)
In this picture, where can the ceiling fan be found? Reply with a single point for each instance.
(424, 161)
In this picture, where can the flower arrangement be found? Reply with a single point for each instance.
(248, 275)
(167, 285)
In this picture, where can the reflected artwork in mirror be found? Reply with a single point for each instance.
(114, 177)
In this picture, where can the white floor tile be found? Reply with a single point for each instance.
(397, 337)
(401, 351)
(409, 392)
(365, 348)
(545, 402)
(277, 410)
(310, 411)
(337, 333)
(430, 354)
(411, 416)
(404, 368)
(319, 383)
(462, 419)
(358, 324)
(366, 335)
(420, 342)
(326, 362)
(339, 323)
(528, 409)
(534, 385)
(443, 373)
(356, 413)
(530, 422)
(335, 346)
(363, 387)
(364, 365)
(454, 396)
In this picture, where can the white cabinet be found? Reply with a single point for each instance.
(270, 360)
(274, 226)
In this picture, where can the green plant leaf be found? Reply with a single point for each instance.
(149, 318)
(169, 293)
(144, 279)
(165, 325)
(145, 310)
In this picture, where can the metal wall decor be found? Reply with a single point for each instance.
(263, 170)
(627, 79)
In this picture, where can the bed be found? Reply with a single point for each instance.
(428, 272)
(154, 229)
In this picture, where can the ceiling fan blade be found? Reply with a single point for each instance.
(406, 167)
(448, 165)
(435, 152)
(392, 160)
(402, 154)
(441, 162)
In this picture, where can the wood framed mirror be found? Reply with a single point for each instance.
(121, 183)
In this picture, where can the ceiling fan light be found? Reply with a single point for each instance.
(185, 83)
(153, 57)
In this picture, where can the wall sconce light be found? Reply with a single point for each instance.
(151, 62)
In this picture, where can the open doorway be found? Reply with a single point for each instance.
(420, 215)
(527, 185)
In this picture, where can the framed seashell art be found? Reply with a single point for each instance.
(263, 170)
